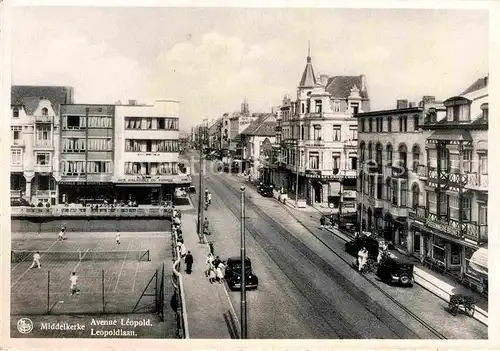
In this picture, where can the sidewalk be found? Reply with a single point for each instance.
(207, 304)
(439, 285)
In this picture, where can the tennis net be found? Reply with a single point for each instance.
(83, 255)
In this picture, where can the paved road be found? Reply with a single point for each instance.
(307, 291)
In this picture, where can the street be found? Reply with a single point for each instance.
(307, 288)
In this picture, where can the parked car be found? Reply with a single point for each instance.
(266, 190)
(371, 244)
(233, 274)
(19, 202)
(396, 271)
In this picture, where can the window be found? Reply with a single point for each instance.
(438, 249)
(362, 151)
(389, 124)
(318, 105)
(378, 155)
(443, 155)
(394, 187)
(43, 133)
(15, 112)
(73, 122)
(454, 209)
(73, 167)
(314, 160)
(466, 209)
(370, 125)
(415, 196)
(443, 204)
(370, 151)
(415, 123)
(45, 112)
(432, 158)
(483, 214)
(99, 167)
(388, 151)
(432, 201)
(380, 184)
(301, 132)
(336, 106)
(483, 164)
(303, 108)
(353, 132)
(416, 158)
(354, 162)
(317, 132)
(403, 156)
(454, 163)
(16, 157)
(336, 160)
(74, 144)
(336, 132)
(161, 123)
(388, 191)
(355, 108)
(371, 186)
(362, 125)
(42, 159)
(467, 161)
(455, 254)
(400, 124)
(380, 125)
(403, 124)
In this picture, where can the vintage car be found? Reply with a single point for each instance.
(395, 271)
(233, 274)
(266, 190)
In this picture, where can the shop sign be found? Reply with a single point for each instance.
(442, 227)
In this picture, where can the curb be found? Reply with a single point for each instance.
(480, 315)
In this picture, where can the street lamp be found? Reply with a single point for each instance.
(243, 258)
(200, 195)
(297, 161)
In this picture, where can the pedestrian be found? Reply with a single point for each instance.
(189, 262)
(177, 221)
(209, 198)
(36, 260)
(117, 238)
(209, 263)
(216, 261)
(211, 275)
(73, 287)
(322, 222)
(362, 258)
(183, 250)
(220, 272)
(61, 234)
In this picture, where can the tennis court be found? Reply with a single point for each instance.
(113, 279)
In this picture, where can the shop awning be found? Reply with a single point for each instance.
(479, 261)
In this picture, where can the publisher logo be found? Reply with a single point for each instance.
(24, 325)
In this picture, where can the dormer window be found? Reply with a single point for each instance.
(45, 111)
(457, 109)
(15, 112)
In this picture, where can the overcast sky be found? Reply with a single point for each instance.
(212, 58)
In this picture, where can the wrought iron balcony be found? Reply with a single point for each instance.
(476, 232)
(418, 213)
(422, 172)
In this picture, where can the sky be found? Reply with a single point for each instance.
(212, 58)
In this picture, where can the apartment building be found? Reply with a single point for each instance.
(86, 152)
(146, 167)
(238, 122)
(35, 132)
(214, 136)
(225, 132)
(318, 133)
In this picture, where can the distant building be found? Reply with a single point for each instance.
(35, 134)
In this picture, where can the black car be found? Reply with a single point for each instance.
(395, 271)
(233, 274)
(266, 190)
(372, 245)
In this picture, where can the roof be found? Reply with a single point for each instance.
(308, 78)
(340, 86)
(264, 126)
(448, 134)
(29, 96)
(390, 112)
(478, 84)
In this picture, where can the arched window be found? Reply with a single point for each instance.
(388, 154)
(362, 151)
(403, 155)
(362, 125)
(45, 111)
(370, 151)
(15, 112)
(388, 190)
(415, 195)
(416, 157)
(302, 132)
(378, 155)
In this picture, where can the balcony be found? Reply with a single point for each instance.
(419, 214)
(398, 211)
(15, 193)
(317, 143)
(45, 193)
(477, 181)
(43, 119)
(451, 227)
(375, 203)
(42, 168)
(314, 115)
(43, 144)
(422, 172)
(476, 232)
(18, 143)
(432, 173)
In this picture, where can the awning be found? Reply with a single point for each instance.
(455, 135)
(479, 262)
(141, 185)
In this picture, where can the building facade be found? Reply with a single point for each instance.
(318, 133)
(86, 152)
(146, 167)
(35, 132)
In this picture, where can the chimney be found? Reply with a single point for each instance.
(412, 104)
(486, 79)
(428, 99)
(363, 82)
(132, 102)
(323, 79)
(401, 104)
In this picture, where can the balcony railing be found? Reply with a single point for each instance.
(398, 211)
(477, 181)
(18, 142)
(15, 193)
(42, 168)
(43, 144)
(43, 119)
(45, 193)
(418, 213)
(89, 212)
(422, 172)
(476, 232)
(314, 115)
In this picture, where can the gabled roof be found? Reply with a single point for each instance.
(478, 84)
(263, 126)
(340, 86)
(29, 96)
(308, 78)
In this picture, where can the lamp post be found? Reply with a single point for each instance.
(200, 195)
(243, 258)
(297, 161)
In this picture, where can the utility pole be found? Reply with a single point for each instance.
(243, 278)
(200, 195)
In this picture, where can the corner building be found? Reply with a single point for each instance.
(146, 167)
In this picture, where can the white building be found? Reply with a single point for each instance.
(147, 167)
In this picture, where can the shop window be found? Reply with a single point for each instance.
(416, 242)
(403, 239)
(455, 255)
(439, 250)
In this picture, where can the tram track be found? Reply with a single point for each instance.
(387, 318)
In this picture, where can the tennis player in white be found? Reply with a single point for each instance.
(74, 279)
(36, 260)
(117, 238)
